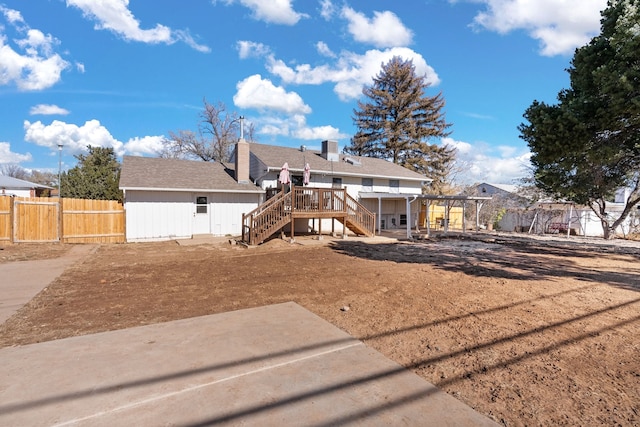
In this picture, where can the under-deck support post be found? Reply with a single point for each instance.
(344, 227)
(464, 216)
(428, 218)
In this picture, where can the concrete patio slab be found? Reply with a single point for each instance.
(274, 365)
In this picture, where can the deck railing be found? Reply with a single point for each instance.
(305, 202)
(266, 219)
(360, 217)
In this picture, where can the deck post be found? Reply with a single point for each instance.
(243, 223)
(428, 218)
(464, 216)
(344, 227)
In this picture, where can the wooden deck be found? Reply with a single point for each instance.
(309, 203)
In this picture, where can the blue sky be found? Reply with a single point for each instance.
(123, 73)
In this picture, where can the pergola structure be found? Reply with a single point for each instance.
(429, 198)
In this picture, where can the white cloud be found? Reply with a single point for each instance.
(463, 148)
(274, 129)
(384, 30)
(147, 145)
(48, 109)
(560, 26)
(8, 157)
(14, 17)
(114, 15)
(316, 133)
(296, 126)
(262, 94)
(319, 133)
(74, 138)
(351, 71)
(478, 163)
(272, 11)
(248, 49)
(323, 49)
(33, 65)
(327, 9)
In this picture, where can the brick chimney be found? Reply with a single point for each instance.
(330, 150)
(242, 161)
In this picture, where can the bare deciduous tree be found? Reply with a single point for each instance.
(218, 131)
(14, 171)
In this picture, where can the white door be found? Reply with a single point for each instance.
(201, 221)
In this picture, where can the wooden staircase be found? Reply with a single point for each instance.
(359, 220)
(266, 219)
(310, 203)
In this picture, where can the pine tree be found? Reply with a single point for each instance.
(587, 146)
(96, 176)
(398, 118)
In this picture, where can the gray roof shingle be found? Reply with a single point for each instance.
(275, 156)
(173, 174)
(15, 183)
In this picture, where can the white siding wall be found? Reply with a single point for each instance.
(15, 192)
(227, 210)
(158, 215)
(164, 215)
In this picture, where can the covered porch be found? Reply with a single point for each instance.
(411, 223)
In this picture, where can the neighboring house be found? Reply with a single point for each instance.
(486, 189)
(10, 186)
(552, 216)
(169, 198)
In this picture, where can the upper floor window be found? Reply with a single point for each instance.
(337, 183)
(394, 186)
(367, 185)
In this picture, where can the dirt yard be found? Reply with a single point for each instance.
(526, 331)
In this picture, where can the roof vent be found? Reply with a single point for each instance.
(353, 161)
(303, 148)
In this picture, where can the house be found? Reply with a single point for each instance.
(551, 216)
(170, 198)
(382, 187)
(10, 186)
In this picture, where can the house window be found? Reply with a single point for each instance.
(201, 205)
(337, 183)
(394, 186)
(297, 180)
(367, 185)
(403, 220)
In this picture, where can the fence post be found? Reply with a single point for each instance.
(60, 220)
(12, 212)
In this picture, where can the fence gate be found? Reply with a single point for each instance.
(36, 220)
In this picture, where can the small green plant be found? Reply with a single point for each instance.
(498, 217)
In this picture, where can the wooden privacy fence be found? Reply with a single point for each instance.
(49, 219)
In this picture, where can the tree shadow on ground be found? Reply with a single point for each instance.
(501, 258)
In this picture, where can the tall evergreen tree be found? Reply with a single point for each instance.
(96, 176)
(397, 119)
(587, 146)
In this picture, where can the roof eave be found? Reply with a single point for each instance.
(195, 190)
